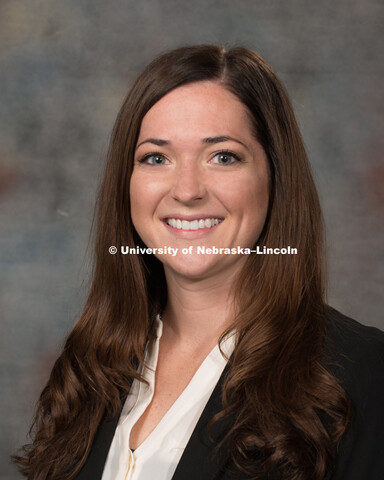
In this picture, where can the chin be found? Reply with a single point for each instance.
(192, 268)
(201, 267)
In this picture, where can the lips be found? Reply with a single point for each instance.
(195, 224)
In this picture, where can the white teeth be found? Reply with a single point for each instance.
(194, 224)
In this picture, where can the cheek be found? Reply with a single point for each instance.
(138, 200)
(145, 194)
(135, 193)
(254, 211)
(248, 195)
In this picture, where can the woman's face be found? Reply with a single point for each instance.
(200, 179)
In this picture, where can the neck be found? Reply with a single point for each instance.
(197, 311)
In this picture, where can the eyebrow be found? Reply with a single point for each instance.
(156, 141)
(209, 140)
(222, 138)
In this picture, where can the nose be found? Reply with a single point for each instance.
(189, 184)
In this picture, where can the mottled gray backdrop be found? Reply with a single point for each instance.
(65, 68)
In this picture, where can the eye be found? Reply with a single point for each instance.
(226, 158)
(154, 159)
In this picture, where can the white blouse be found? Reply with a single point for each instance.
(158, 455)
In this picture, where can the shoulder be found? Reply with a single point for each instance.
(352, 351)
(348, 332)
(354, 354)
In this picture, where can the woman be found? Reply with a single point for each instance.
(188, 364)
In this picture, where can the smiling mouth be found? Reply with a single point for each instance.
(197, 224)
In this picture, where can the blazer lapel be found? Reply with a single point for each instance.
(199, 460)
(94, 465)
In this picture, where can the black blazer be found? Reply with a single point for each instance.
(354, 354)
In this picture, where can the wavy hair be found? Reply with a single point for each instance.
(288, 411)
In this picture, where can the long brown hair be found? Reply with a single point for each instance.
(289, 411)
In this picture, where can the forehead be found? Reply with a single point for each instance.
(204, 107)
